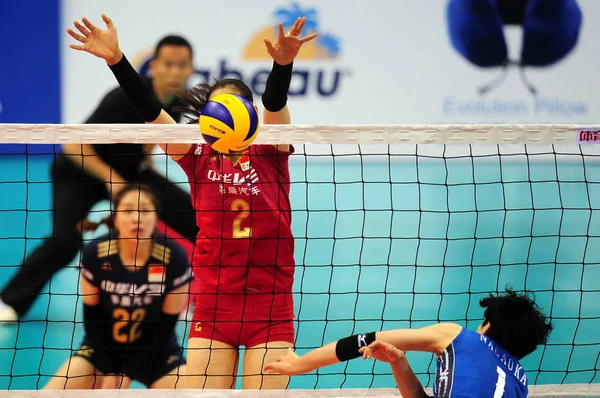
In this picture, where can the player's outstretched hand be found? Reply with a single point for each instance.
(284, 364)
(381, 351)
(101, 43)
(288, 44)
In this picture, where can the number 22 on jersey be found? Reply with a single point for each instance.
(122, 319)
(241, 206)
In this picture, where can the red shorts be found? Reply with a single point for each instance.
(236, 331)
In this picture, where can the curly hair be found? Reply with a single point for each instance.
(516, 322)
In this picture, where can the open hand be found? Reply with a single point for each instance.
(287, 45)
(381, 351)
(284, 365)
(101, 43)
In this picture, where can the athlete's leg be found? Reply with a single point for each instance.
(76, 373)
(75, 193)
(265, 341)
(255, 358)
(116, 382)
(166, 368)
(175, 379)
(211, 364)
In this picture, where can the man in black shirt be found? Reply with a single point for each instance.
(84, 175)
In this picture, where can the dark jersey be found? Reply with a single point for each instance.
(474, 366)
(116, 108)
(132, 299)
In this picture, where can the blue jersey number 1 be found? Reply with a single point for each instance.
(500, 383)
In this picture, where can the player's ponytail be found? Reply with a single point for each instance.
(92, 226)
(194, 99)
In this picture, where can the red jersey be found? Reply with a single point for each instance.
(245, 246)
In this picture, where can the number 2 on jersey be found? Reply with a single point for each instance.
(244, 208)
(122, 319)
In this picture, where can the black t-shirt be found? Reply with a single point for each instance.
(116, 108)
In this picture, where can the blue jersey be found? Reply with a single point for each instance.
(474, 366)
(132, 299)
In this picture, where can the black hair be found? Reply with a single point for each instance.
(173, 41)
(87, 225)
(135, 187)
(194, 99)
(516, 322)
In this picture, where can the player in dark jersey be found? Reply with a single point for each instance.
(245, 248)
(84, 175)
(134, 285)
(481, 364)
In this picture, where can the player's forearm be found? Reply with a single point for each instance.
(340, 351)
(277, 86)
(140, 94)
(406, 380)
(87, 158)
(316, 359)
(434, 338)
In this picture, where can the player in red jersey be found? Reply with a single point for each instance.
(245, 251)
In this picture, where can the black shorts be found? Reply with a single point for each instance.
(141, 365)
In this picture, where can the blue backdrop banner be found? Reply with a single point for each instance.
(30, 67)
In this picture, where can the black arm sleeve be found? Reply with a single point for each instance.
(94, 325)
(165, 327)
(275, 96)
(141, 94)
(347, 348)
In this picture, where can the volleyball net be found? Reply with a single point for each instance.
(395, 227)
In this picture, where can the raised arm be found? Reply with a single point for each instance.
(283, 52)
(432, 339)
(105, 44)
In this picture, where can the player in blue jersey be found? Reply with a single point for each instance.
(477, 364)
(134, 285)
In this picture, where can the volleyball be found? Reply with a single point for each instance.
(229, 122)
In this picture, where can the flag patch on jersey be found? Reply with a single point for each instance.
(156, 274)
(244, 161)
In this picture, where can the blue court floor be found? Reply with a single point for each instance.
(380, 244)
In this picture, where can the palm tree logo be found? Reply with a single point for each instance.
(330, 44)
(287, 16)
(327, 45)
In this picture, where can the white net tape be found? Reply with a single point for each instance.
(304, 134)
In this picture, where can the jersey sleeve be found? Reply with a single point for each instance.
(179, 270)
(188, 161)
(271, 154)
(90, 269)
